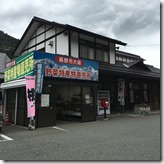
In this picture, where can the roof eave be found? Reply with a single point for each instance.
(35, 22)
(94, 34)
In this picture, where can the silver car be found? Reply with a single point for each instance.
(1, 120)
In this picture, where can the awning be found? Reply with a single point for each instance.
(13, 84)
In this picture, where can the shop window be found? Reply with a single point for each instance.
(68, 101)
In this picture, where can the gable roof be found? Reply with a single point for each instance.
(36, 22)
(137, 64)
(3, 59)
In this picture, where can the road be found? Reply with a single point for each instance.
(121, 138)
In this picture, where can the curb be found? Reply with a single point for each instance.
(123, 115)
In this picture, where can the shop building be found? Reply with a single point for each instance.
(3, 59)
(79, 68)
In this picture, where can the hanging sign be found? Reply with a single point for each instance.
(30, 95)
(39, 77)
(121, 91)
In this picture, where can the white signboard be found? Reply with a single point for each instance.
(45, 100)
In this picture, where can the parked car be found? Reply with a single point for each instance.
(1, 121)
(1, 117)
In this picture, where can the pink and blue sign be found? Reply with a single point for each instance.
(61, 66)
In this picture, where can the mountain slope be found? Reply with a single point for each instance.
(7, 44)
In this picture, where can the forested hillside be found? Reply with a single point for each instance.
(7, 44)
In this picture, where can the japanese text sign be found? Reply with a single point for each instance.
(61, 66)
(19, 67)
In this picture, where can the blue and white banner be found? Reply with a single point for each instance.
(61, 66)
(39, 72)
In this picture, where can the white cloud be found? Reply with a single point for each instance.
(131, 21)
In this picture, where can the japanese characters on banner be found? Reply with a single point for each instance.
(121, 91)
(67, 67)
(30, 95)
(39, 77)
(19, 67)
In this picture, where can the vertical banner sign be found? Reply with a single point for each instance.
(39, 77)
(121, 91)
(30, 94)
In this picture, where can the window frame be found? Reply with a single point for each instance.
(104, 49)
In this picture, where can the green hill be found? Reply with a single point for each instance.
(7, 44)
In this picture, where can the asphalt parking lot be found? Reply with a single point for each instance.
(121, 138)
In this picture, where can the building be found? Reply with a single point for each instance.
(3, 59)
(80, 68)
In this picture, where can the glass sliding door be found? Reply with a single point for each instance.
(88, 108)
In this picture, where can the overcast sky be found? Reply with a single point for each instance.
(136, 22)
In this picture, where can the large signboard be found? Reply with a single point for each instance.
(61, 66)
(50, 65)
(19, 67)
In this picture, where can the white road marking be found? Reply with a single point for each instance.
(2, 140)
(55, 127)
(6, 138)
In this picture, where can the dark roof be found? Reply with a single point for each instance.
(94, 34)
(3, 59)
(134, 69)
(129, 55)
(36, 22)
(153, 69)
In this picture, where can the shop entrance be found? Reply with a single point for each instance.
(74, 103)
(65, 102)
(10, 105)
(68, 103)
